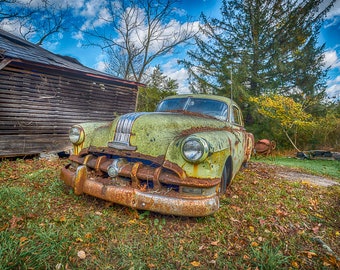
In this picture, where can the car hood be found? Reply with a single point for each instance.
(151, 133)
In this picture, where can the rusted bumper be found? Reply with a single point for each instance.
(161, 202)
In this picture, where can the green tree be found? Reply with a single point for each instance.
(158, 87)
(261, 46)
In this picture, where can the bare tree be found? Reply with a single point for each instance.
(140, 32)
(35, 21)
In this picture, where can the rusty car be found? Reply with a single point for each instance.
(177, 160)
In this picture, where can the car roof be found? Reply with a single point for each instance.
(205, 96)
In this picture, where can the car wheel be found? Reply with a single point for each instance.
(226, 177)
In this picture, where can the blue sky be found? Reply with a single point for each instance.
(71, 43)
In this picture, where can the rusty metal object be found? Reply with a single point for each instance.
(264, 147)
(163, 201)
(167, 173)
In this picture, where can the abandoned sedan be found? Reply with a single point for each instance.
(177, 160)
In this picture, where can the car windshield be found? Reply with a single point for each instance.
(209, 107)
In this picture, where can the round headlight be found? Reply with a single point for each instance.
(76, 135)
(195, 149)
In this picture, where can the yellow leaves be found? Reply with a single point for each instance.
(331, 261)
(282, 109)
(314, 203)
(254, 244)
(295, 265)
(251, 229)
(23, 240)
(318, 215)
(79, 239)
(309, 254)
(195, 263)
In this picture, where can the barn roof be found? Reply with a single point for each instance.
(13, 48)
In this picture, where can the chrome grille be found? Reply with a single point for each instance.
(123, 131)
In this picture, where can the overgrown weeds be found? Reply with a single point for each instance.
(263, 223)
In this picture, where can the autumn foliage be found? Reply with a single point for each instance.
(290, 115)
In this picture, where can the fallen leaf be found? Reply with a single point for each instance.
(318, 215)
(215, 243)
(151, 266)
(4, 227)
(81, 254)
(254, 244)
(235, 220)
(281, 213)
(195, 264)
(246, 257)
(236, 208)
(310, 254)
(331, 260)
(14, 221)
(295, 264)
(262, 222)
(101, 228)
(23, 240)
(316, 228)
(252, 229)
(201, 248)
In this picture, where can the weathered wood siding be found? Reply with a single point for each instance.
(38, 106)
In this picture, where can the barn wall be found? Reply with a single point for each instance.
(37, 108)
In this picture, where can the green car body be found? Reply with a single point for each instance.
(177, 160)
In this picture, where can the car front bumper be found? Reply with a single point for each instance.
(165, 202)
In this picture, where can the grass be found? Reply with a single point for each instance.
(263, 223)
(330, 168)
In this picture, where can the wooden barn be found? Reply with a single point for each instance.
(43, 94)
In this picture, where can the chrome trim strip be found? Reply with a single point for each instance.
(123, 131)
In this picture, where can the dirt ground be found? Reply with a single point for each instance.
(291, 174)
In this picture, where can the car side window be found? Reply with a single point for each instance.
(236, 116)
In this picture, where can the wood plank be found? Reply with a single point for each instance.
(37, 109)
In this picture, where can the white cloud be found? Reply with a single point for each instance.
(51, 46)
(91, 8)
(335, 10)
(333, 88)
(14, 27)
(171, 70)
(100, 66)
(179, 11)
(331, 59)
(163, 34)
(95, 13)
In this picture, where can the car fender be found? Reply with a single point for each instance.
(95, 133)
(212, 167)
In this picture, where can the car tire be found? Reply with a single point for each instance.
(226, 177)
